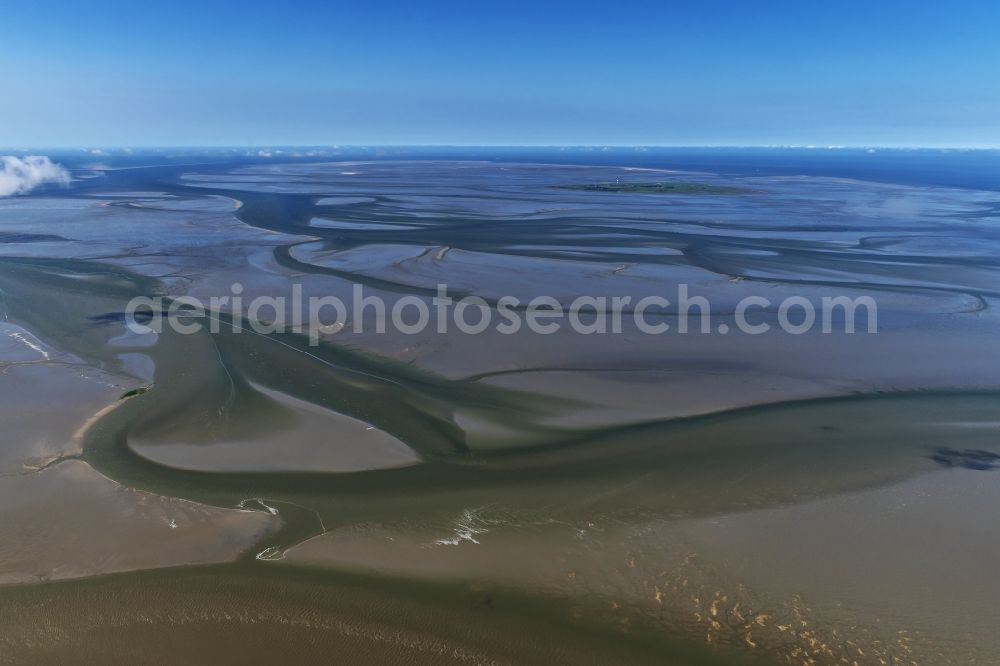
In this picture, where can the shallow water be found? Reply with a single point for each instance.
(598, 498)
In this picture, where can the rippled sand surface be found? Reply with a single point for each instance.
(443, 497)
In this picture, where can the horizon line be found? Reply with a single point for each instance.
(90, 148)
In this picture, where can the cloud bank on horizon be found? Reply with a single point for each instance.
(20, 175)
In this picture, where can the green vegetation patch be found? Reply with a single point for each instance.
(674, 187)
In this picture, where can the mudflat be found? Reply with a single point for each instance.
(433, 496)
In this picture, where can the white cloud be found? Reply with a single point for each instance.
(19, 175)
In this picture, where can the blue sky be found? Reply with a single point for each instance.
(595, 73)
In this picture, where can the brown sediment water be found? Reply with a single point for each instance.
(498, 499)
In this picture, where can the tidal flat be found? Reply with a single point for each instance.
(429, 497)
